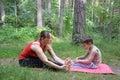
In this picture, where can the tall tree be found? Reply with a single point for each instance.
(49, 13)
(60, 17)
(2, 13)
(93, 16)
(66, 3)
(111, 9)
(16, 6)
(96, 2)
(71, 3)
(39, 13)
(49, 6)
(79, 19)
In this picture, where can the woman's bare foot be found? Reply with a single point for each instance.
(68, 63)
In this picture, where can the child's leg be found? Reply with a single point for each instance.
(81, 65)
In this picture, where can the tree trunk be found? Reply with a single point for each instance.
(110, 32)
(16, 14)
(93, 17)
(2, 13)
(67, 3)
(49, 6)
(49, 13)
(71, 2)
(39, 13)
(60, 17)
(111, 13)
(96, 2)
(79, 19)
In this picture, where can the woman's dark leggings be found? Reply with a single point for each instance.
(34, 63)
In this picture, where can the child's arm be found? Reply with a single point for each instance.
(90, 59)
(84, 56)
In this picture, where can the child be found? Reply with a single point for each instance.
(92, 57)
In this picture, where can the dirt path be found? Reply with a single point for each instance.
(114, 67)
(8, 61)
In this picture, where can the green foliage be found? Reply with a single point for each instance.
(102, 16)
(24, 16)
(6, 33)
(67, 21)
(26, 13)
(76, 39)
(51, 19)
(9, 33)
(11, 19)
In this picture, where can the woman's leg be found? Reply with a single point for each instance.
(67, 63)
(31, 63)
(57, 63)
(50, 68)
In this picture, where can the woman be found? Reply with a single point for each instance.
(33, 55)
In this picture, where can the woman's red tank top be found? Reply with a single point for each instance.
(28, 52)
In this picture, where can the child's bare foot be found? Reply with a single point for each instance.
(68, 63)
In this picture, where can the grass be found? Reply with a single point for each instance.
(13, 49)
(63, 49)
(13, 72)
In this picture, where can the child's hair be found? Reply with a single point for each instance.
(86, 40)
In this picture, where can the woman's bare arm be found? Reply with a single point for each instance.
(35, 47)
(54, 56)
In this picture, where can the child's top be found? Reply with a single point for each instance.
(97, 59)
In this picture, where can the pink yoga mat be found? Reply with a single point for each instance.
(102, 69)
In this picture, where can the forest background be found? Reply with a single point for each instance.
(68, 21)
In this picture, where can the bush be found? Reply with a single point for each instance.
(6, 33)
(76, 39)
(9, 33)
